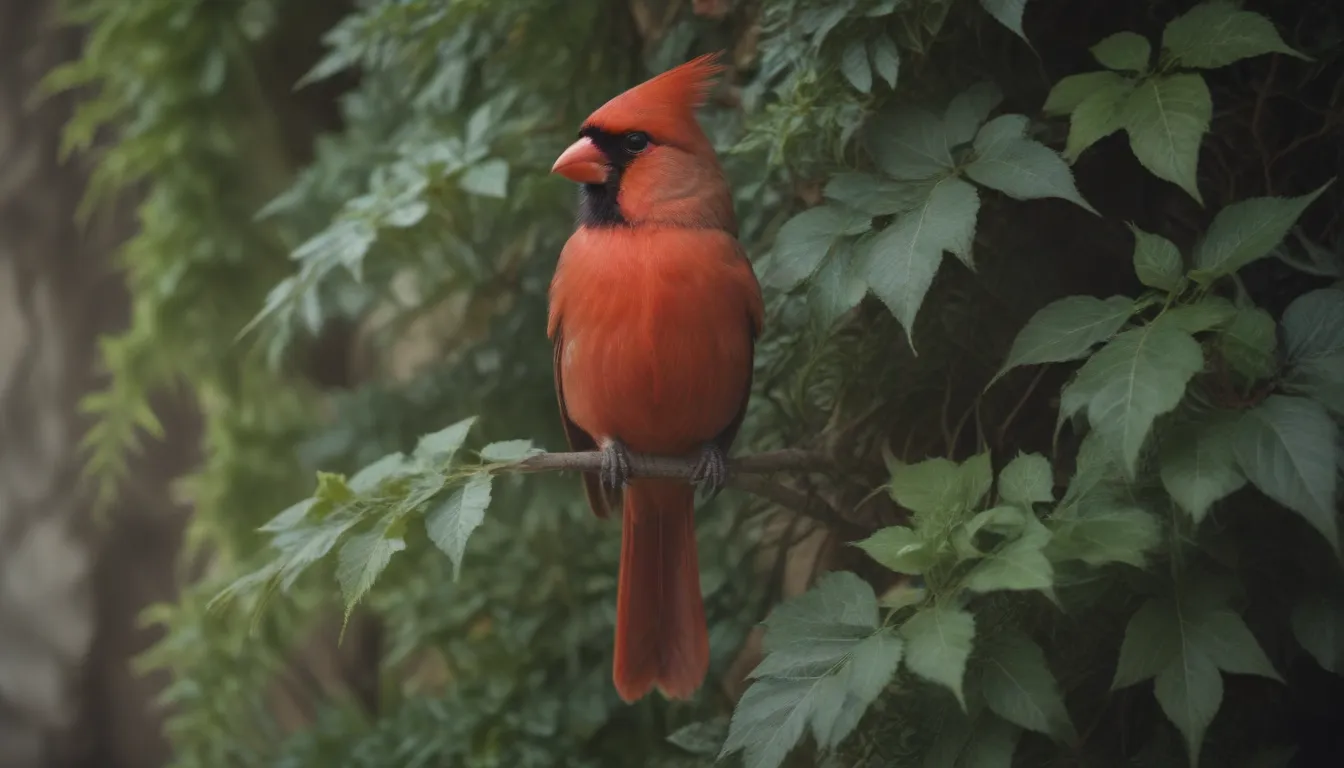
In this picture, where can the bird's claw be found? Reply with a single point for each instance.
(615, 472)
(711, 470)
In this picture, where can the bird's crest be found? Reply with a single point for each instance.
(662, 106)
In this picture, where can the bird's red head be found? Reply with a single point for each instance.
(643, 158)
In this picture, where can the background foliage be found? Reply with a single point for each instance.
(1094, 457)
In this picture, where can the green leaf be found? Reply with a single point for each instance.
(301, 547)
(809, 634)
(769, 719)
(1166, 118)
(1318, 625)
(875, 195)
(886, 59)
(1017, 565)
(1216, 33)
(1248, 343)
(296, 513)
(1008, 13)
(1206, 314)
(1190, 694)
(984, 741)
(1138, 376)
(909, 143)
(902, 259)
(1124, 51)
(439, 447)
(1152, 642)
(1286, 447)
(1007, 521)
(1197, 463)
(1098, 116)
(938, 489)
(488, 179)
(452, 522)
(1019, 687)
(1247, 231)
(373, 475)
(837, 287)
(805, 239)
(1021, 168)
(868, 671)
(899, 549)
(1156, 261)
(1313, 331)
(938, 641)
(509, 451)
(1105, 533)
(362, 559)
(967, 112)
(1067, 329)
(1027, 479)
(704, 738)
(854, 65)
(1070, 92)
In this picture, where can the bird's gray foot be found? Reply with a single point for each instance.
(615, 472)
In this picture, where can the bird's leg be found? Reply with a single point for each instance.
(712, 468)
(615, 472)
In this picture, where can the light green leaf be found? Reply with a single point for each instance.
(1140, 375)
(904, 257)
(704, 738)
(1027, 479)
(875, 195)
(938, 642)
(1190, 694)
(362, 558)
(867, 672)
(1070, 92)
(900, 549)
(854, 65)
(810, 633)
(1206, 314)
(440, 446)
(1247, 231)
(1197, 464)
(1017, 565)
(373, 475)
(301, 547)
(509, 451)
(967, 112)
(1156, 261)
(1248, 343)
(1021, 168)
(939, 489)
(1019, 687)
(1166, 118)
(1005, 521)
(1067, 329)
(1098, 116)
(1124, 51)
(1105, 533)
(1318, 625)
(1008, 13)
(1217, 33)
(886, 59)
(294, 514)
(805, 239)
(837, 287)
(452, 522)
(1286, 447)
(909, 143)
(770, 718)
(488, 179)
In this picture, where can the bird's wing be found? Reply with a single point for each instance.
(600, 499)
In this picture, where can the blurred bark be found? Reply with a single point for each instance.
(70, 588)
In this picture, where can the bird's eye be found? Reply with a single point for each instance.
(636, 142)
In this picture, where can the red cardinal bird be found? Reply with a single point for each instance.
(654, 313)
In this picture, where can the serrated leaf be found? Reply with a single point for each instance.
(362, 559)
(1197, 464)
(1286, 448)
(704, 738)
(440, 446)
(1216, 33)
(1106, 534)
(1318, 625)
(301, 547)
(770, 718)
(886, 59)
(1069, 92)
(1027, 479)
(291, 517)
(1018, 686)
(451, 523)
(938, 642)
(854, 65)
(1247, 231)
(1166, 118)
(805, 239)
(1204, 315)
(1248, 343)
(1099, 115)
(837, 287)
(1067, 329)
(867, 672)
(875, 195)
(1007, 521)
(967, 112)
(373, 475)
(809, 634)
(1190, 694)
(909, 144)
(940, 489)
(902, 259)
(508, 451)
(1008, 13)
(900, 549)
(1124, 51)
(1157, 262)
(1022, 169)
(1017, 565)
(1138, 376)
(488, 179)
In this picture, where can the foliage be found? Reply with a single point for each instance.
(1112, 468)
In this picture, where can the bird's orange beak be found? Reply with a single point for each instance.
(582, 162)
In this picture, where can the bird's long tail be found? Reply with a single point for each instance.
(660, 618)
